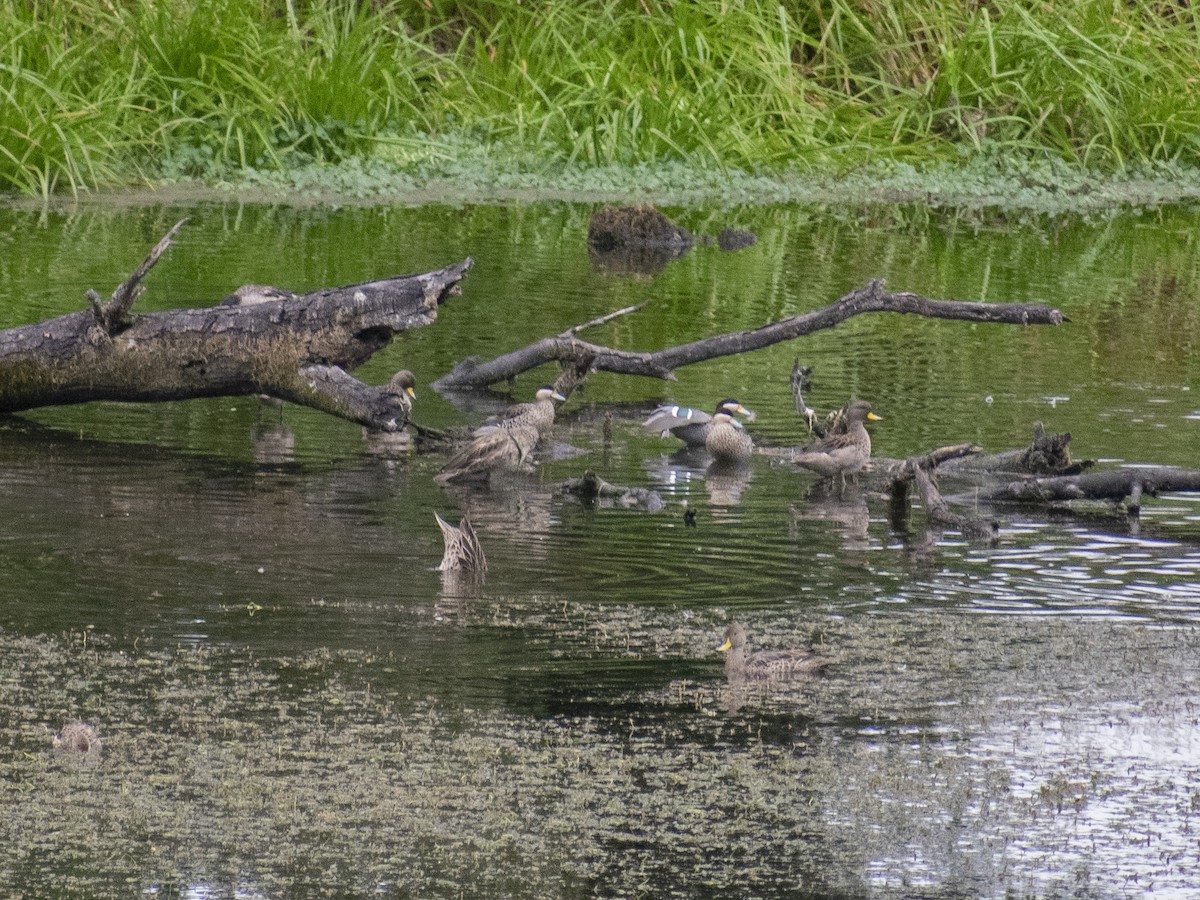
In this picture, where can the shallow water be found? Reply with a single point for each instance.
(244, 600)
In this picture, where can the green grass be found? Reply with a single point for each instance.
(100, 94)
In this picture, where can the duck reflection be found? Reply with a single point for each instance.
(847, 511)
(725, 481)
(390, 446)
(273, 443)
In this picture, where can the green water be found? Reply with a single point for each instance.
(244, 600)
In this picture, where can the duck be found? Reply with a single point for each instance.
(393, 439)
(403, 386)
(688, 424)
(727, 439)
(78, 737)
(254, 294)
(844, 453)
(494, 448)
(538, 413)
(766, 664)
(463, 552)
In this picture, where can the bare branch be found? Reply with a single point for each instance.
(472, 373)
(602, 319)
(114, 315)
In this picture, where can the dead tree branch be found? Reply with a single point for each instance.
(919, 470)
(472, 373)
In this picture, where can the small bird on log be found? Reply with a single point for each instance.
(463, 551)
(845, 452)
(766, 664)
(688, 424)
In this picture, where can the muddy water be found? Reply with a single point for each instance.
(243, 599)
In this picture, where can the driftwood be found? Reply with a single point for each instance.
(1115, 485)
(567, 348)
(919, 470)
(590, 487)
(298, 349)
(1046, 453)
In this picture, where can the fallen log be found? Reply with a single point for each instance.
(297, 348)
(567, 348)
(1112, 485)
(1047, 454)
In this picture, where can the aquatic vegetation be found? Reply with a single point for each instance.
(97, 95)
(228, 768)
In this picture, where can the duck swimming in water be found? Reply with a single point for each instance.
(727, 439)
(494, 448)
(505, 443)
(538, 413)
(766, 664)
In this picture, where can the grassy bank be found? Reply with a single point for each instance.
(98, 95)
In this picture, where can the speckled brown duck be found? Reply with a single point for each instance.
(78, 737)
(495, 448)
(727, 439)
(844, 453)
(766, 664)
(689, 424)
(538, 413)
(463, 552)
(403, 386)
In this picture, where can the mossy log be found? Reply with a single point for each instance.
(297, 349)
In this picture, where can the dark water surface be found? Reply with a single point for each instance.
(294, 702)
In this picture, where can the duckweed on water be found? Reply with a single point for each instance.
(902, 772)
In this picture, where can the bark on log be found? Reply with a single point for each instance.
(1114, 485)
(567, 348)
(298, 350)
(918, 470)
(1047, 454)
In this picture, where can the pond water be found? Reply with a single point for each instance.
(243, 599)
